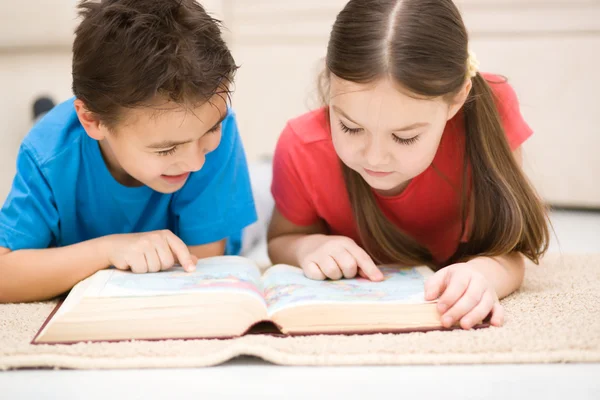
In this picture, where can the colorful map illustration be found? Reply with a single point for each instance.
(287, 286)
(218, 274)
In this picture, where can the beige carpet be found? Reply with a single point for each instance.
(555, 317)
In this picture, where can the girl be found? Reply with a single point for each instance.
(415, 160)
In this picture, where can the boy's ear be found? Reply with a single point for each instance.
(89, 121)
(459, 99)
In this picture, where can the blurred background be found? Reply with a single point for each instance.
(548, 49)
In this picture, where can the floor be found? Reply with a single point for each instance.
(248, 378)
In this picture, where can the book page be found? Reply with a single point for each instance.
(286, 287)
(234, 274)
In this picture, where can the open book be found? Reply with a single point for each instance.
(227, 296)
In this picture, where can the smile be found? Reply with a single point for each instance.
(175, 179)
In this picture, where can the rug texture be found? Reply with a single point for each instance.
(553, 318)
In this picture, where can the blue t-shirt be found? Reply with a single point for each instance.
(63, 192)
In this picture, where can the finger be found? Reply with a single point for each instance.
(365, 262)
(137, 262)
(181, 252)
(479, 312)
(362, 274)
(165, 255)
(435, 285)
(122, 265)
(329, 267)
(468, 301)
(312, 271)
(497, 314)
(152, 259)
(346, 262)
(456, 284)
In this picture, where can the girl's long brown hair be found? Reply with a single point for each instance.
(423, 46)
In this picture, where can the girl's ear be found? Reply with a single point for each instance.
(89, 121)
(459, 99)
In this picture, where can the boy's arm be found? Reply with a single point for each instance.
(34, 275)
(208, 250)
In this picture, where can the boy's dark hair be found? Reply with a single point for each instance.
(126, 52)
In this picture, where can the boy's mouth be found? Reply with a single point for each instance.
(175, 179)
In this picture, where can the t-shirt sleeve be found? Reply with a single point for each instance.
(290, 188)
(29, 218)
(516, 129)
(217, 203)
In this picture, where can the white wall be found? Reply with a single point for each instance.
(549, 49)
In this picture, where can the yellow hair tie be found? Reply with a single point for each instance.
(472, 65)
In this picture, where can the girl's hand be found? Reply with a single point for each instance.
(464, 295)
(149, 252)
(335, 257)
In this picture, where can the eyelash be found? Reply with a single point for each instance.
(167, 152)
(174, 149)
(355, 131)
(349, 130)
(406, 142)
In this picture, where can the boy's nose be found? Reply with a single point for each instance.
(196, 158)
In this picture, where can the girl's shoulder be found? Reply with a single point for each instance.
(507, 103)
(310, 127)
(305, 146)
(504, 93)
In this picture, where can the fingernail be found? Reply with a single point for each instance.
(447, 321)
(191, 267)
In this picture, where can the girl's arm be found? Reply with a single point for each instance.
(285, 239)
(505, 273)
(468, 292)
(320, 255)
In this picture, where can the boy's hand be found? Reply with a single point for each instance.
(150, 252)
(336, 257)
(464, 295)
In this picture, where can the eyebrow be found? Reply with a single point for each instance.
(171, 143)
(403, 129)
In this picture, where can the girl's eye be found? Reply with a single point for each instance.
(406, 141)
(351, 131)
(167, 152)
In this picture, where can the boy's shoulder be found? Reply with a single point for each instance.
(54, 134)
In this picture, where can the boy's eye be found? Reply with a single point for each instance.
(351, 131)
(215, 129)
(168, 152)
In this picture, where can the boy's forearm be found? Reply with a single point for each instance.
(34, 275)
(504, 272)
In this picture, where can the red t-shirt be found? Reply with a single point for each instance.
(308, 184)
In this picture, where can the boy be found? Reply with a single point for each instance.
(144, 168)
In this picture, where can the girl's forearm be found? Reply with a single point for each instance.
(505, 272)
